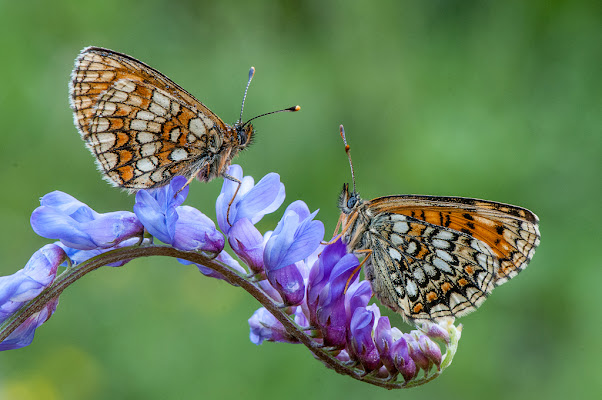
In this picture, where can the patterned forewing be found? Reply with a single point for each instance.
(425, 271)
(142, 127)
(511, 232)
(142, 137)
(97, 69)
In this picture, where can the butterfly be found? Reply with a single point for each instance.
(432, 257)
(144, 129)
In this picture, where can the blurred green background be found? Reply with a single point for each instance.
(490, 99)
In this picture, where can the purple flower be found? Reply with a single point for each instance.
(23, 286)
(264, 326)
(252, 201)
(435, 331)
(183, 227)
(423, 350)
(358, 295)
(319, 275)
(416, 353)
(360, 339)
(402, 360)
(289, 283)
(248, 243)
(76, 225)
(330, 313)
(296, 237)
(384, 342)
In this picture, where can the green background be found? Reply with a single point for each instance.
(492, 99)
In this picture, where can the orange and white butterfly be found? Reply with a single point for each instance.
(430, 257)
(143, 128)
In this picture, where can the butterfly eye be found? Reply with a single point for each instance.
(351, 202)
(242, 136)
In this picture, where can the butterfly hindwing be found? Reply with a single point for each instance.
(427, 271)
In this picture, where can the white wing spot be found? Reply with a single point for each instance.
(178, 154)
(156, 109)
(107, 108)
(149, 149)
(411, 288)
(440, 244)
(145, 137)
(430, 270)
(157, 176)
(394, 253)
(146, 115)
(401, 227)
(442, 265)
(444, 235)
(197, 127)
(101, 124)
(419, 275)
(119, 97)
(135, 101)
(145, 165)
(174, 135)
(104, 141)
(444, 255)
(125, 85)
(154, 127)
(138, 125)
(412, 247)
(161, 100)
(396, 239)
(110, 160)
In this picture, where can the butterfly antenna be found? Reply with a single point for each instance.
(348, 155)
(242, 107)
(291, 109)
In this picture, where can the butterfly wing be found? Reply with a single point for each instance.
(433, 257)
(141, 126)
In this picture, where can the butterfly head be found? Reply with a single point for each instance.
(244, 135)
(348, 201)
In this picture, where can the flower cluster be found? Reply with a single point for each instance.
(312, 287)
(336, 312)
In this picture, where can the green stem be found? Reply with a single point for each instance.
(72, 274)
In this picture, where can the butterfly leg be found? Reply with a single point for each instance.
(346, 226)
(335, 237)
(233, 179)
(356, 270)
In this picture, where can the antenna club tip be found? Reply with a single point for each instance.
(251, 72)
(347, 148)
(296, 108)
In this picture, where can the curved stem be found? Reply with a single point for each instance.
(72, 274)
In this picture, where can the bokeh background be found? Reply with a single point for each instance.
(489, 99)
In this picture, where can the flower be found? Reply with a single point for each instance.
(264, 326)
(330, 312)
(295, 238)
(23, 286)
(251, 201)
(360, 338)
(76, 225)
(402, 360)
(248, 243)
(183, 227)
